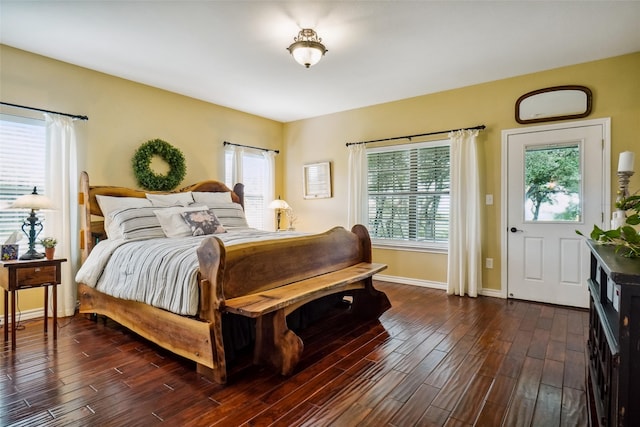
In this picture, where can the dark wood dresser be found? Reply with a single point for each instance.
(614, 338)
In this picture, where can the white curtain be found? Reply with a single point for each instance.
(357, 185)
(464, 268)
(62, 188)
(236, 164)
(268, 191)
(267, 178)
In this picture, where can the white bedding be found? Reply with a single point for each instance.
(160, 272)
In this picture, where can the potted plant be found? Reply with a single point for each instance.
(49, 244)
(626, 238)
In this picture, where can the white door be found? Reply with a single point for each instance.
(556, 183)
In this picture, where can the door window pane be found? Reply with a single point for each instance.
(553, 177)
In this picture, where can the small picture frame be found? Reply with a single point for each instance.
(9, 252)
(317, 180)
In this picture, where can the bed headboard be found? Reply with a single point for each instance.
(91, 217)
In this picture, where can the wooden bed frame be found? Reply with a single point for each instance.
(235, 272)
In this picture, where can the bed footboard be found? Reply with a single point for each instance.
(185, 336)
(286, 274)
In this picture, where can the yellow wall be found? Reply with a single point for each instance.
(615, 84)
(123, 114)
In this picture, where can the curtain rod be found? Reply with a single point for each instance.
(248, 146)
(74, 116)
(479, 127)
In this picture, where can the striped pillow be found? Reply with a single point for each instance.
(230, 214)
(137, 223)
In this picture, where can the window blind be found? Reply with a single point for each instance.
(408, 193)
(22, 167)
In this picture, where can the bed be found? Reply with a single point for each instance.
(225, 262)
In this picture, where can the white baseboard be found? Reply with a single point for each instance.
(26, 315)
(434, 285)
(411, 281)
(494, 293)
(39, 312)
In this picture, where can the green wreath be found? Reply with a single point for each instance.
(149, 180)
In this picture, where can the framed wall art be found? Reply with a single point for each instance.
(317, 180)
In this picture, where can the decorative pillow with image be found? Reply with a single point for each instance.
(203, 222)
(172, 222)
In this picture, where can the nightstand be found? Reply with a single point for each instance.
(17, 275)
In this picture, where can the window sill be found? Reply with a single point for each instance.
(408, 247)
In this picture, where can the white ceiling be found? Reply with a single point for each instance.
(233, 53)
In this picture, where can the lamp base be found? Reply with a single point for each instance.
(31, 255)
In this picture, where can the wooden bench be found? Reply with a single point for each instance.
(267, 281)
(278, 346)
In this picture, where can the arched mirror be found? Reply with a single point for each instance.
(554, 103)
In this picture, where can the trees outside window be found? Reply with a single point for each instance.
(552, 183)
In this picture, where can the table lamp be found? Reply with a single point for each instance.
(625, 172)
(279, 205)
(32, 225)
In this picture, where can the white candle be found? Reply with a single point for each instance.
(625, 163)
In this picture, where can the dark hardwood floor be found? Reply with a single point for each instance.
(431, 360)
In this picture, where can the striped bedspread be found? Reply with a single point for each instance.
(159, 272)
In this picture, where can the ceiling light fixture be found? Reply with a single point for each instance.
(307, 48)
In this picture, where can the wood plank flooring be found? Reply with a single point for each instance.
(431, 360)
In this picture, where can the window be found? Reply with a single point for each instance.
(254, 171)
(552, 183)
(22, 166)
(408, 195)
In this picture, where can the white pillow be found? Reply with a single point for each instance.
(172, 223)
(168, 200)
(109, 204)
(209, 198)
(137, 223)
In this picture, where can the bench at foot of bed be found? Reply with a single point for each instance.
(276, 344)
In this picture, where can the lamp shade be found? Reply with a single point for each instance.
(33, 201)
(625, 163)
(279, 204)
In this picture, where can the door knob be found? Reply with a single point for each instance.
(515, 230)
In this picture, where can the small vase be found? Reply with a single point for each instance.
(619, 219)
(49, 253)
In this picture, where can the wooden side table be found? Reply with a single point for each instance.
(17, 275)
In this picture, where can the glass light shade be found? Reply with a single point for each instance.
(32, 201)
(306, 53)
(279, 204)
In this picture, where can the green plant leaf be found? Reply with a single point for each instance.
(630, 235)
(633, 219)
(625, 238)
